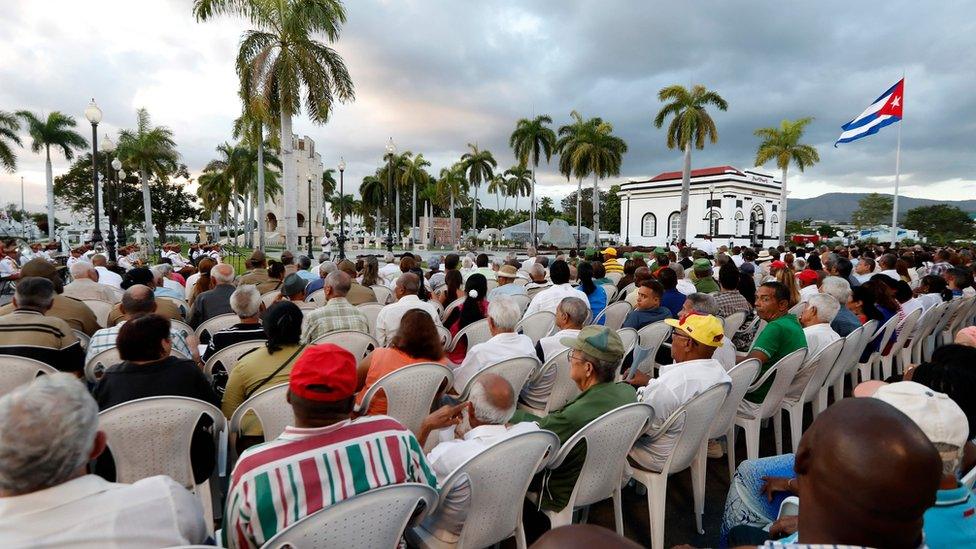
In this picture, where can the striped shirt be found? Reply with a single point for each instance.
(278, 483)
(613, 266)
(337, 314)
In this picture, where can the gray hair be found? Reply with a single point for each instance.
(827, 306)
(575, 308)
(340, 283)
(486, 411)
(164, 268)
(47, 431)
(246, 301)
(467, 262)
(304, 262)
(388, 257)
(81, 269)
(837, 287)
(703, 303)
(605, 369)
(223, 273)
(139, 298)
(158, 274)
(34, 292)
(536, 269)
(504, 313)
(951, 457)
(327, 268)
(799, 264)
(677, 268)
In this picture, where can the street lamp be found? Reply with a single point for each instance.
(308, 218)
(628, 220)
(94, 115)
(391, 150)
(711, 200)
(108, 147)
(342, 211)
(120, 225)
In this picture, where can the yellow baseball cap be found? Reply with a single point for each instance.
(705, 329)
(610, 251)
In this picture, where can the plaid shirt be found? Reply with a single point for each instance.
(938, 269)
(730, 302)
(104, 339)
(338, 314)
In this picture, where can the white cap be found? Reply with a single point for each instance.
(942, 420)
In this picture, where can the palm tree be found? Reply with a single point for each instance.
(533, 138)
(249, 128)
(280, 63)
(452, 184)
(214, 189)
(479, 166)
(690, 123)
(600, 153)
(8, 132)
(783, 145)
(257, 170)
(413, 171)
(498, 186)
(153, 151)
(55, 130)
(373, 191)
(570, 137)
(518, 182)
(329, 186)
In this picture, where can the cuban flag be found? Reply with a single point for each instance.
(885, 110)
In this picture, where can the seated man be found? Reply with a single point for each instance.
(258, 275)
(9, 266)
(72, 311)
(49, 433)
(304, 266)
(815, 319)
(325, 269)
(807, 280)
(159, 273)
(247, 305)
(506, 276)
(167, 279)
(141, 276)
(845, 321)
(293, 289)
(503, 316)
(537, 278)
(358, 294)
(337, 314)
(570, 316)
(704, 281)
(105, 275)
(781, 336)
(548, 299)
(29, 331)
(84, 285)
(484, 422)
(405, 292)
(215, 301)
(317, 453)
(694, 341)
(649, 309)
(595, 356)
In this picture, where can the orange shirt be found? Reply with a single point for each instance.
(381, 362)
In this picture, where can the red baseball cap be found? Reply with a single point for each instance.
(807, 275)
(323, 373)
(777, 265)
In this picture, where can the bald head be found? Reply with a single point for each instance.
(138, 299)
(407, 284)
(492, 399)
(867, 474)
(223, 273)
(83, 269)
(99, 260)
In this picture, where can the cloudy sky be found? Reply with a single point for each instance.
(437, 74)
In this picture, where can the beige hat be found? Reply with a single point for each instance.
(942, 420)
(506, 271)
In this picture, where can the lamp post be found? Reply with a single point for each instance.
(94, 115)
(119, 225)
(711, 199)
(391, 150)
(628, 220)
(342, 211)
(108, 147)
(308, 218)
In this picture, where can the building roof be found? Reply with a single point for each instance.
(703, 172)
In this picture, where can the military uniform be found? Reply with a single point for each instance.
(48, 339)
(164, 307)
(75, 313)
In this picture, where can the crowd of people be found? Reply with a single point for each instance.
(882, 471)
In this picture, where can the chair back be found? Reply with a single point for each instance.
(498, 478)
(445, 336)
(216, 324)
(18, 370)
(536, 326)
(450, 308)
(410, 392)
(317, 297)
(847, 357)
(476, 332)
(151, 436)
(798, 309)
(883, 336)
(377, 518)
(610, 290)
(272, 410)
(564, 388)
(515, 370)
(696, 418)
(951, 307)
(522, 300)
(384, 294)
(742, 374)
(614, 314)
(180, 304)
(371, 310)
(82, 338)
(181, 328)
(101, 310)
(491, 285)
(904, 330)
(228, 356)
(784, 370)
(651, 337)
(97, 364)
(962, 315)
(359, 344)
(626, 290)
(615, 277)
(733, 322)
(609, 439)
(268, 298)
(628, 336)
(811, 376)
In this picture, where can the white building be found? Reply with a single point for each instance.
(733, 206)
(308, 168)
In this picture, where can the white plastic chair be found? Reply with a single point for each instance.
(377, 518)
(450, 308)
(268, 298)
(626, 290)
(651, 337)
(563, 388)
(933, 341)
(371, 310)
(317, 297)
(798, 309)
(784, 371)
(82, 338)
(515, 370)
(695, 417)
(410, 392)
(181, 327)
(889, 357)
(101, 310)
(228, 356)
(475, 333)
(18, 370)
(272, 410)
(806, 385)
(628, 336)
(358, 343)
(491, 284)
(883, 335)
(614, 315)
(615, 277)
(384, 294)
(964, 312)
(924, 328)
(216, 324)
(180, 304)
(609, 439)
(497, 479)
(536, 326)
(836, 374)
(97, 365)
(870, 328)
(732, 323)
(522, 300)
(610, 290)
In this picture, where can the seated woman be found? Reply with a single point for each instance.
(148, 370)
(594, 293)
(417, 340)
(474, 308)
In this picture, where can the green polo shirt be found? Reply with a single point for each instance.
(706, 285)
(565, 422)
(779, 338)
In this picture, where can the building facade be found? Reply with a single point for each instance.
(739, 207)
(308, 169)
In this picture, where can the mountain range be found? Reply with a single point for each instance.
(838, 207)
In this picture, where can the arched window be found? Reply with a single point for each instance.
(714, 216)
(649, 225)
(774, 225)
(757, 224)
(674, 221)
(301, 220)
(739, 218)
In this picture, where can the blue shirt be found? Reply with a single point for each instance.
(507, 289)
(162, 291)
(951, 522)
(307, 275)
(673, 300)
(845, 322)
(316, 284)
(638, 318)
(598, 301)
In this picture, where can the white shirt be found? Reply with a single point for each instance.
(388, 319)
(686, 286)
(737, 259)
(109, 278)
(818, 337)
(807, 291)
(90, 512)
(8, 267)
(676, 385)
(929, 300)
(892, 273)
(725, 354)
(528, 263)
(191, 281)
(535, 393)
(912, 304)
(497, 349)
(390, 272)
(548, 299)
(706, 246)
(447, 521)
(72, 260)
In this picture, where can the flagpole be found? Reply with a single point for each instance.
(894, 209)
